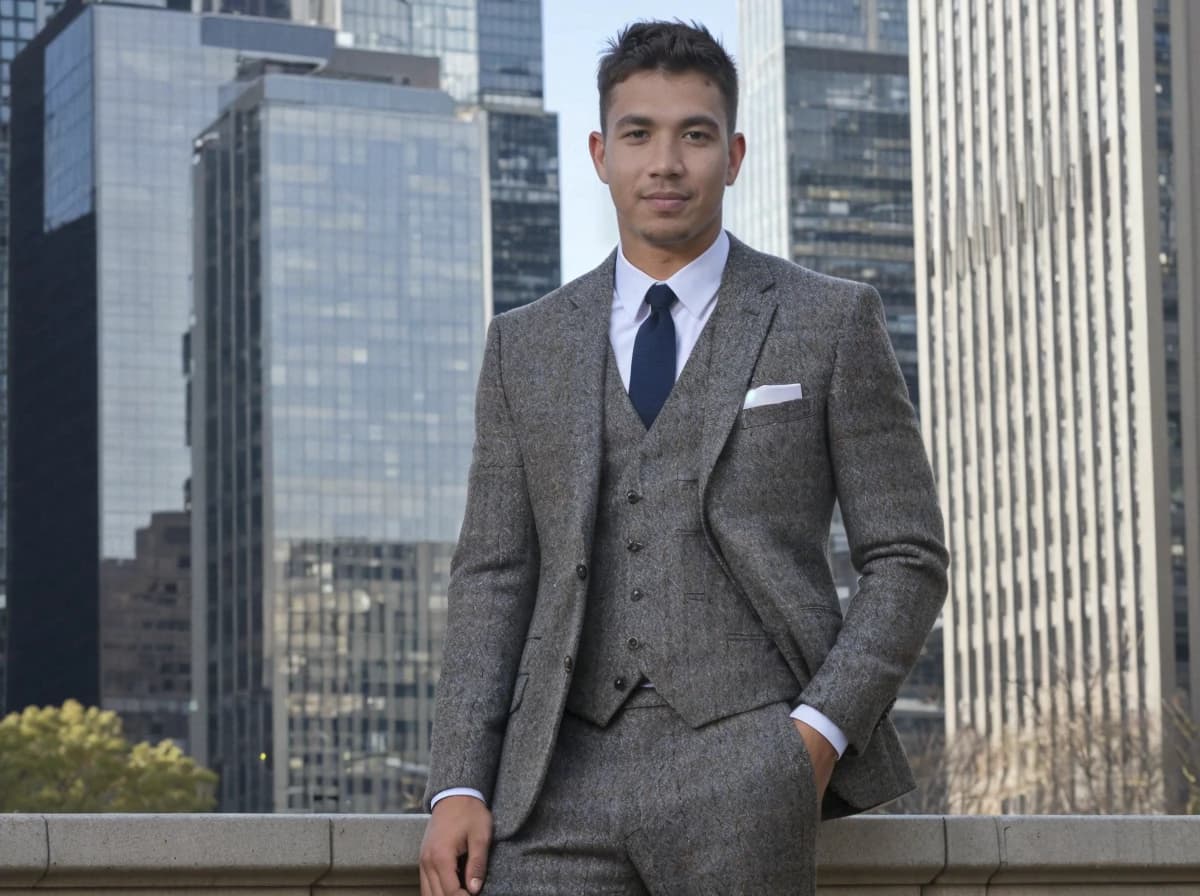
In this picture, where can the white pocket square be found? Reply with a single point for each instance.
(762, 395)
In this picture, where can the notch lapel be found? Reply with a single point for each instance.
(745, 307)
(581, 395)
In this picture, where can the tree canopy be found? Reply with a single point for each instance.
(76, 759)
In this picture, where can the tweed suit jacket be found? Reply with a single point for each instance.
(768, 480)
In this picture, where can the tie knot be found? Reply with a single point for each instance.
(660, 297)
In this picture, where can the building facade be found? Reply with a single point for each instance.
(20, 20)
(105, 103)
(338, 328)
(146, 641)
(1055, 147)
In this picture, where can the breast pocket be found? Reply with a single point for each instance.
(780, 412)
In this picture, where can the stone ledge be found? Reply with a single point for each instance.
(333, 855)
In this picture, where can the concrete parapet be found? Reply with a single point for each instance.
(375, 855)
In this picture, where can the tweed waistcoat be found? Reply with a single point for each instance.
(659, 605)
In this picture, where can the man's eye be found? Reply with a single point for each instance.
(697, 135)
(636, 134)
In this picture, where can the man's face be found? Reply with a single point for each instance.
(667, 157)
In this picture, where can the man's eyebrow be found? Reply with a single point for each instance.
(638, 121)
(706, 120)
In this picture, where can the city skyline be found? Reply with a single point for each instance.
(1040, 295)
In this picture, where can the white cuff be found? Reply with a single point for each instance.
(827, 729)
(457, 791)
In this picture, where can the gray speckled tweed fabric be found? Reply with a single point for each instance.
(650, 805)
(767, 481)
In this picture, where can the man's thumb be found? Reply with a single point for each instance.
(476, 867)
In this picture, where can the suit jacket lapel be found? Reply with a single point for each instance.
(745, 306)
(582, 397)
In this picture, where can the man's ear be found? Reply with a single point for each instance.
(596, 150)
(737, 152)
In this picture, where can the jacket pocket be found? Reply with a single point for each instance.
(778, 413)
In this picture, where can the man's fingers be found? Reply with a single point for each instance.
(429, 882)
(445, 874)
(478, 843)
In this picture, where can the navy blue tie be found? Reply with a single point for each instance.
(653, 371)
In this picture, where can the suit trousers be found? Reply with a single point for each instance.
(650, 805)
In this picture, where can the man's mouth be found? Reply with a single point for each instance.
(666, 201)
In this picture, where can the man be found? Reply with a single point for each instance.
(641, 597)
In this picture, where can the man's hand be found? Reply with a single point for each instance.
(460, 826)
(824, 757)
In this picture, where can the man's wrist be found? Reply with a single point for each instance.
(456, 791)
(822, 724)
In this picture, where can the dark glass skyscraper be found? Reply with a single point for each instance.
(105, 103)
(20, 20)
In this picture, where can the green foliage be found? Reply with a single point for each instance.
(72, 759)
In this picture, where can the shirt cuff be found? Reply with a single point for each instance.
(457, 791)
(827, 729)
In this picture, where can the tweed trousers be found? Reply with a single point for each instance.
(650, 805)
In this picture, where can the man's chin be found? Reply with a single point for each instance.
(669, 237)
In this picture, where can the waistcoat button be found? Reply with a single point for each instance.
(636, 594)
(581, 571)
(619, 684)
(568, 664)
(633, 545)
(633, 497)
(633, 643)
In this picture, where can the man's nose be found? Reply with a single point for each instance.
(666, 159)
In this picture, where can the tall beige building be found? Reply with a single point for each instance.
(1056, 190)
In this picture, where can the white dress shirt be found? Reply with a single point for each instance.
(695, 285)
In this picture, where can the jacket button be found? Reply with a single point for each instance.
(568, 664)
(581, 571)
(633, 497)
(633, 643)
(619, 684)
(633, 545)
(635, 594)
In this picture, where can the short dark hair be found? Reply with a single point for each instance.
(673, 47)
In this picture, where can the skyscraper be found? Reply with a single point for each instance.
(338, 328)
(20, 20)
(1055, 151)
(490, 53)
(105, 103)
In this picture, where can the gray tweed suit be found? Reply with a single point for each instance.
(766, 482)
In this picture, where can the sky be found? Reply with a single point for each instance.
(574, 36)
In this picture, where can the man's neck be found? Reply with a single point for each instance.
(662, 262)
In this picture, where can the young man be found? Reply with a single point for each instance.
(648, 684)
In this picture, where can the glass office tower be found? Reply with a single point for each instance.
(491, 55)
(338, 329)
(105, 104)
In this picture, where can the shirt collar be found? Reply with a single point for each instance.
(695, 284)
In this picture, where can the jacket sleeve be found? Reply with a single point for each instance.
(493, 582)
(893, 522)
